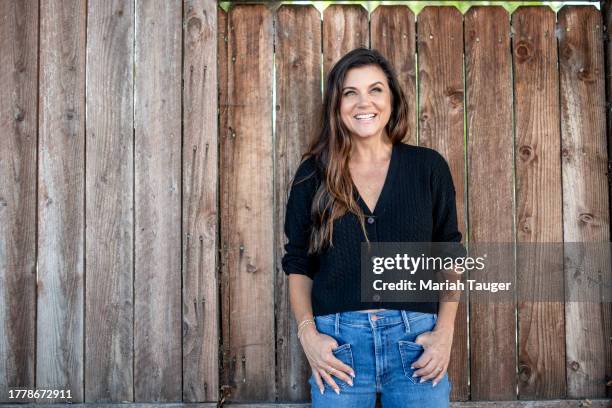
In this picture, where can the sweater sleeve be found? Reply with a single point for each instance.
(445, 210)
(298, 222)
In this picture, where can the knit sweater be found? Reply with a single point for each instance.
(416, 204)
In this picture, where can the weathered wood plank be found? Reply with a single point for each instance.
(606, 10)
(157, 167)
(440, 33)
(541, 349)
(18, 130)
(298, 109)
(61, 223)
(585, 196)
(109, 195)
(224, 304)
(490, 164)
(392, 33)
(247, 227)
(200, 181)
(345, 27)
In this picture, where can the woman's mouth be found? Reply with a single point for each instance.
(365, 117)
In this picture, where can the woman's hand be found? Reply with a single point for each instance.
(436, 357)
(318, 349)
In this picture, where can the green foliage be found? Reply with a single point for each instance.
(417, 6)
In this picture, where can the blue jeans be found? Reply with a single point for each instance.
(380, 347)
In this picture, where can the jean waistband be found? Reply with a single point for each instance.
(385, 317)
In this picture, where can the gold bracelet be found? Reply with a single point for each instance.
(299, 333)
(303, 322)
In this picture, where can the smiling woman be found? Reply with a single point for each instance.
(366, 101)
(359, 183)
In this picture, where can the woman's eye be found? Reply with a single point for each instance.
(377, 89)
(348, 93)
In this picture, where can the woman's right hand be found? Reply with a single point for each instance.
(318, 348)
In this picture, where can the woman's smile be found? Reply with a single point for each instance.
(366, 101)
(366, 118)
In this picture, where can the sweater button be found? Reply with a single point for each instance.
(370, 220)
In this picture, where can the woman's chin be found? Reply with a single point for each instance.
(366, 134)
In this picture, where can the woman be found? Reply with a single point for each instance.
(359, 183)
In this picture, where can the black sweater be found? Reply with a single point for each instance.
(416, 204)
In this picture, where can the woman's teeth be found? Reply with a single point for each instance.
(365, 117)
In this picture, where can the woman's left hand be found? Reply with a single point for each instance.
(436, 357)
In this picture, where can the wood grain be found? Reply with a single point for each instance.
(298, 112)
(490, 209)
(247, 207)
(200, 213)
(541, 350)
(441, 111)
(224, 303)
(61, 198)
(585, 198)
(157, 168)
(108, 212)
(392, 33)
(18, 140)
(345, 27)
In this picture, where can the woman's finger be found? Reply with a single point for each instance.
(341, 370)
(328, 379)
(429, 371)
(422, 361)
(318, 380)
(439, 377)
(337, 372)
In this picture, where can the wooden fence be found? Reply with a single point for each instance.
(143, 184)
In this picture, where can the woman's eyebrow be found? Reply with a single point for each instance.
(352, 87)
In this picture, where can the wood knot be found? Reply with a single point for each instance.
(455, 97)
(19, 115)
(296, 62)
(526, 228)
(566, 52)
(586, 75)
(251, 268)
(574, 365)
(565, 152)
(525, 372)
(526, 153)
(586, 218)
(524, 51)
(194, 26)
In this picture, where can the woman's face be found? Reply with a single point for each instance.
(365, 105)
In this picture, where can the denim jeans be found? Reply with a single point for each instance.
(380, 347)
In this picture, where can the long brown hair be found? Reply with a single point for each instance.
(332, 147)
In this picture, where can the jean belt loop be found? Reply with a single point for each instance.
(406, 322)
(337, 331)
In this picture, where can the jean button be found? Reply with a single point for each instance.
(370, 220)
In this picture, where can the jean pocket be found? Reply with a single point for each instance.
(343, 353)
(410, 352)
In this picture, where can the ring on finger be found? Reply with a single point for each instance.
(331, 370)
